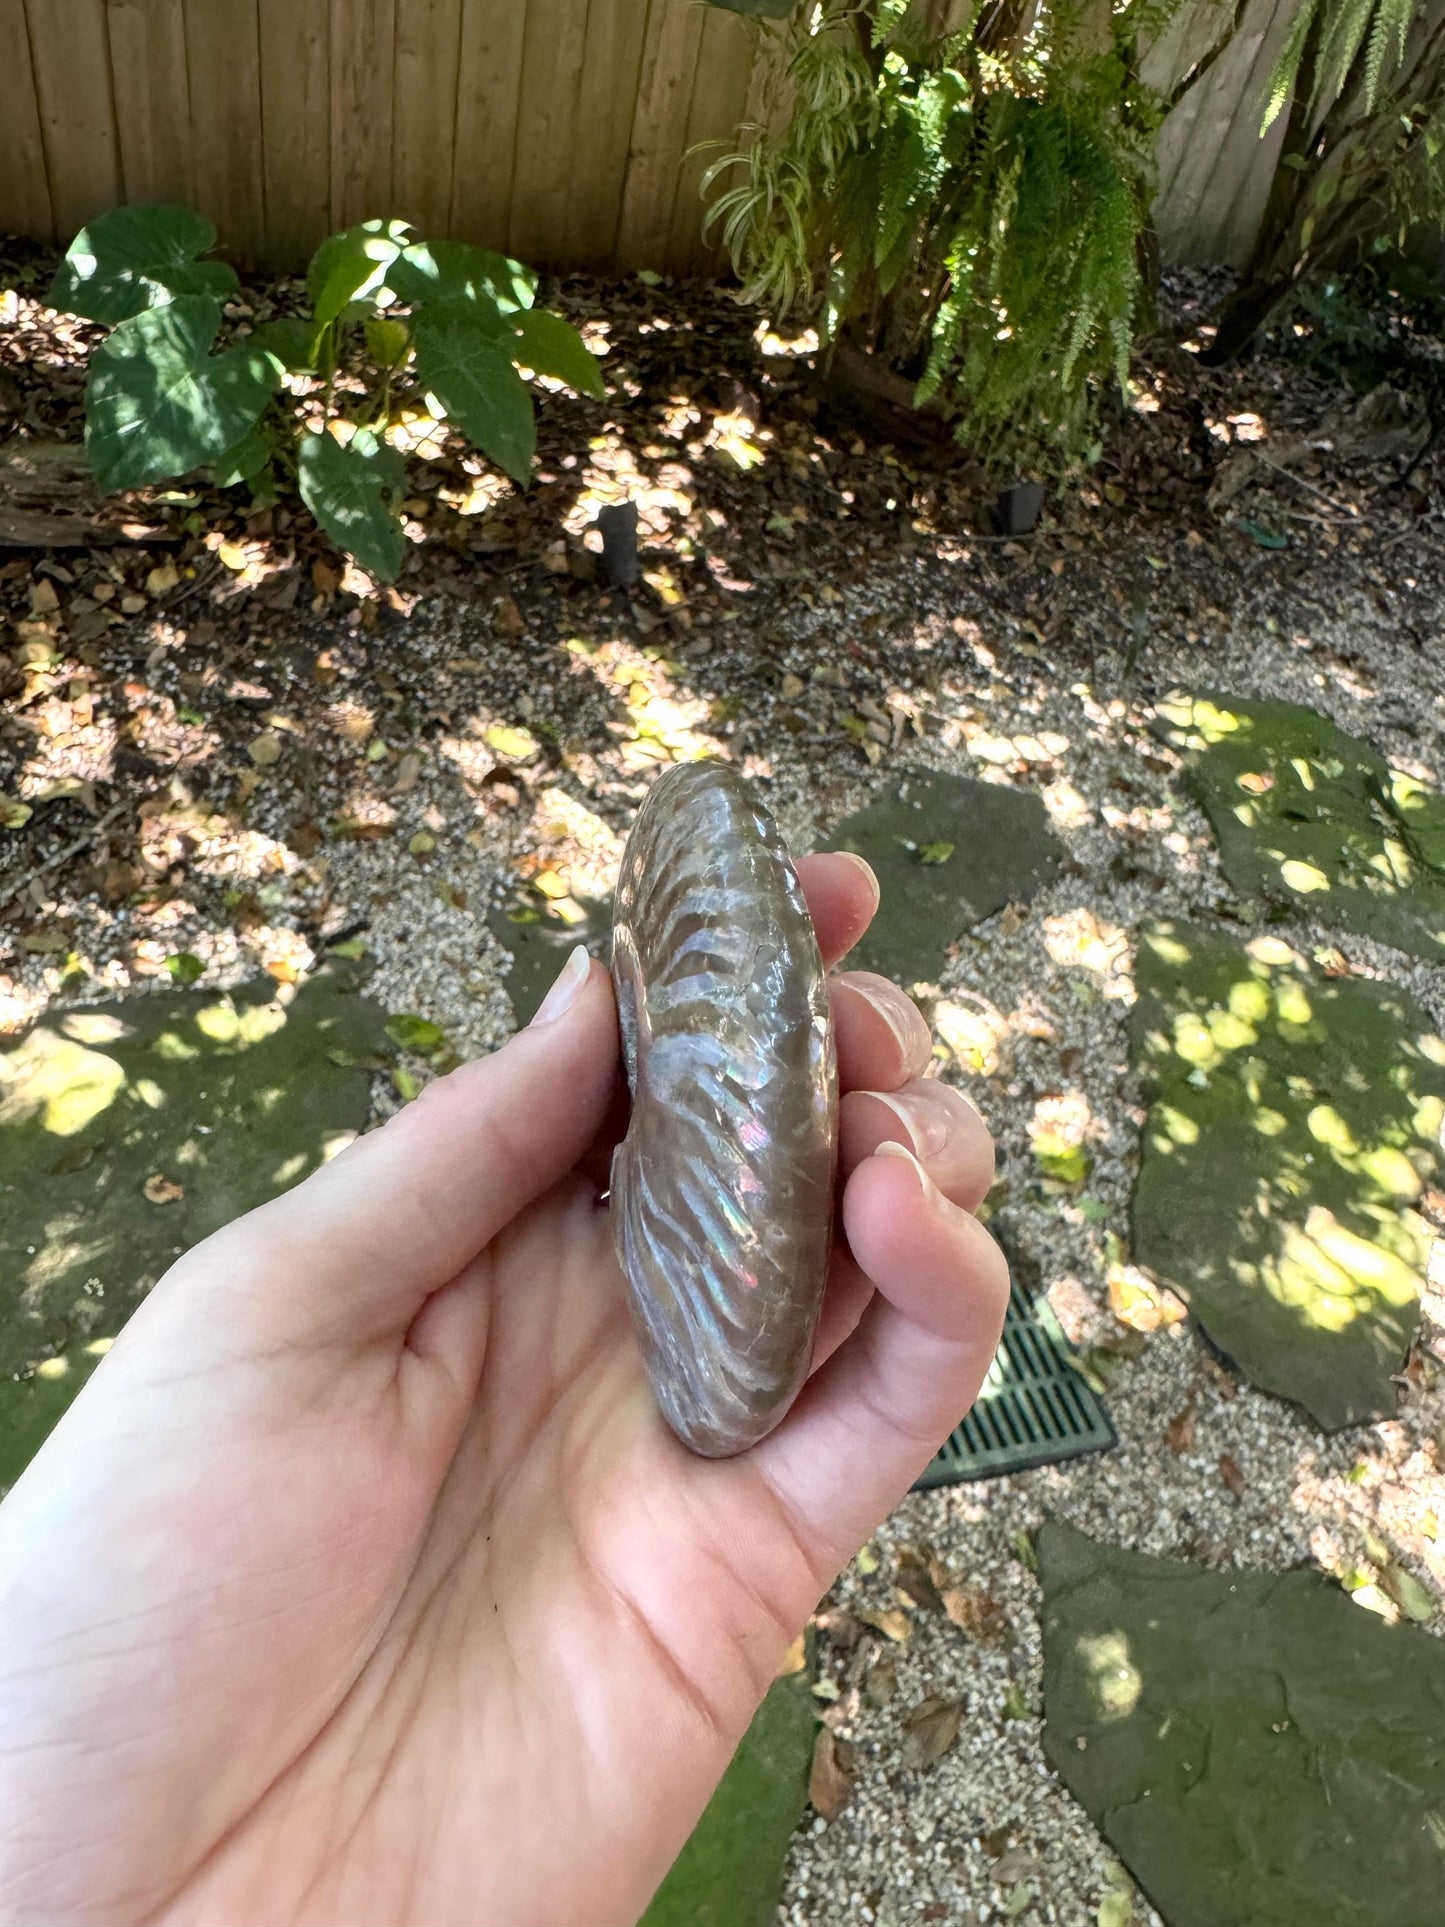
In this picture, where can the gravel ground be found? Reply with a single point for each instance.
(287, 772)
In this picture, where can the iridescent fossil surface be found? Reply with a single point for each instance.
(722, 1190)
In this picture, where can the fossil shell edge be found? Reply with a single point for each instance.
(722, 1190)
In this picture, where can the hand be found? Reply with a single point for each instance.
(363, 1583)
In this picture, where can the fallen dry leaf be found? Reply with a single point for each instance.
(1233, 1477)
(508, 617)
(930, 1730)
(796, 1657)
(161, 1190)
(881, 1682)
(830, 1781)
(893, 1622)
(265, 749)
(1141, 1304)
(1179, 1432)
(977, 1612)
(915, 1580)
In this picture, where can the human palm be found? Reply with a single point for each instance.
(363, 1584)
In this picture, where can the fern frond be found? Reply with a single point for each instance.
(1286, 72)
(1392, 25)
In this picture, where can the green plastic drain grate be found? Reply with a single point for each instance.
(1035, 1407)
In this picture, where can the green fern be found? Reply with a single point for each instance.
(975, 218)
(1342, 27)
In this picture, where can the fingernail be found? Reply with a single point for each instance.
(896, 1010)
(931, 1192)
(563, 993)
(924, 1114)
(867, 868)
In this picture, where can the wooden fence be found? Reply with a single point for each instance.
(566, 131)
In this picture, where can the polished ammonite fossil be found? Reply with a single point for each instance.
(722, 1190)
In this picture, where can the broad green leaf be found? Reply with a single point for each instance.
(410, 1032)
(249, 456)
(370, 245)
(159, 404)
(186, 967)
(291, 341)
(457, 271)
(352, 491)
(352, 287)
(388, 341)
(136, 258)
(475, 382)
(548, 345)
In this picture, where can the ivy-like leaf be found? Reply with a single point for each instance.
(388, 341)
(136, 258)
(353, 265)
(431, 271)
(291, 341)
(548, 345)
(247, 459)
(353, 490)
(158, 403)
(462, 364)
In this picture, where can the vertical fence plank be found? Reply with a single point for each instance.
(152, 99)
(1214, 167)
(70, 55)
(717, 110)
(24, 189)
(428, 38)
(611, 67)
(223, 56)
(489, 90)
(553, 147)
(363, 42)
(296, 127)
(659, 130)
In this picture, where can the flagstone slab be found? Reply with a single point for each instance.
(1293, 1125)
(1254, 1746)
(1315, 819)
(947, 852)
(131, 1130)
(540, 940)
(730, 1873)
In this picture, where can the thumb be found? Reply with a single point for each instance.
(352, 1254)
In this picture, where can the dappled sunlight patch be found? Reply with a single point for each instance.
(1062, 1130)
(1294, 1120)
(59, 1083)
(1114, 1680)
(1328, 1275)
(1066, 804)
(1080, 940)
(973, 1031)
